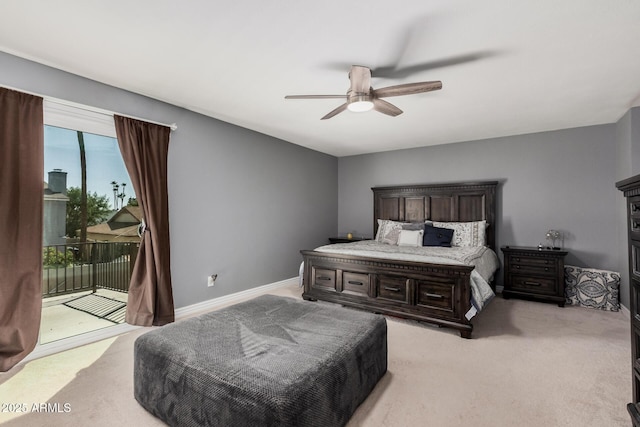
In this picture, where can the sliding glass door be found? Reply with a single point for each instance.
(90, 241)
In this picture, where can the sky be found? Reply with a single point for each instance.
(104, 161)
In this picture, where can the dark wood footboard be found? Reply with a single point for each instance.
(434, 293)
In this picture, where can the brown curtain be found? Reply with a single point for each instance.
(144, 147)
(21, 195)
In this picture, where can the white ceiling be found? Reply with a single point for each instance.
(507, 67)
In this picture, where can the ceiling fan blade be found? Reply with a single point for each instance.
(385, 107)
(407, 89)
(338, 110)
(315, 97)
(395, 72)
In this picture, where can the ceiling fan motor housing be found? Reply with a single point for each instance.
(359, 96)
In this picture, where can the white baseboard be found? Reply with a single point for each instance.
(180, 313)
(211, 304)
(625, 311)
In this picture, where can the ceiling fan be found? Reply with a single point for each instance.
(362, 97)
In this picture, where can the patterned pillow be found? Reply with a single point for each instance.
(388, 231)
(473, 233)
(592, 288)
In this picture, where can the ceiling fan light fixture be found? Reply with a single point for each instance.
(360, 106)
(359, 103)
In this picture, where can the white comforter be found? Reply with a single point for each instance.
(482, 258)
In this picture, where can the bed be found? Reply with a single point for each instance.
(445, 286)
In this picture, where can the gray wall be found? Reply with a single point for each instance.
(242, 204)
(562, 180)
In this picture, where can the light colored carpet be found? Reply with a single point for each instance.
(529, 364)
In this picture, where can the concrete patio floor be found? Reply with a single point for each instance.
(59, 321)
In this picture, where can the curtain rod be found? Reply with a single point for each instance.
(59, 101)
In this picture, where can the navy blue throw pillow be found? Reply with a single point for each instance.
(436, 236)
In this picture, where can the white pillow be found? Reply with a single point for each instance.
(472, 233)
(410, 238)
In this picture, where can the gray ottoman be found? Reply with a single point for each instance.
(267, 361)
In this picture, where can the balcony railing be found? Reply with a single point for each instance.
(80, 267)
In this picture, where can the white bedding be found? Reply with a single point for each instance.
(482, 258)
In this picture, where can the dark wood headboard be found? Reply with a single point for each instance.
(469, 201)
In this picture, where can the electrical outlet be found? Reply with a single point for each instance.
(211, 280)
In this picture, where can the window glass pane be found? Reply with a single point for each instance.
(104, 163)
(86, 274)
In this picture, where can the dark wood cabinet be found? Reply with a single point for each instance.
(534, 273)
(631, 189)
(345, 239)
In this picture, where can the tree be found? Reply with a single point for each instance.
(83, 195)
(122, 195)
(97, 210)
(53, 258)
(115, 194)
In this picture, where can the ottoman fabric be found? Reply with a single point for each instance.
(268, 361)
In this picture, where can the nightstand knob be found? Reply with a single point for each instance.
(517, 267)
(517, 259)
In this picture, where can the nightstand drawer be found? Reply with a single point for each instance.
(538, 285)
(538, 266)
(533, 261)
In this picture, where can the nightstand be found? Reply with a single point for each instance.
(534, 273)
(345, 239)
